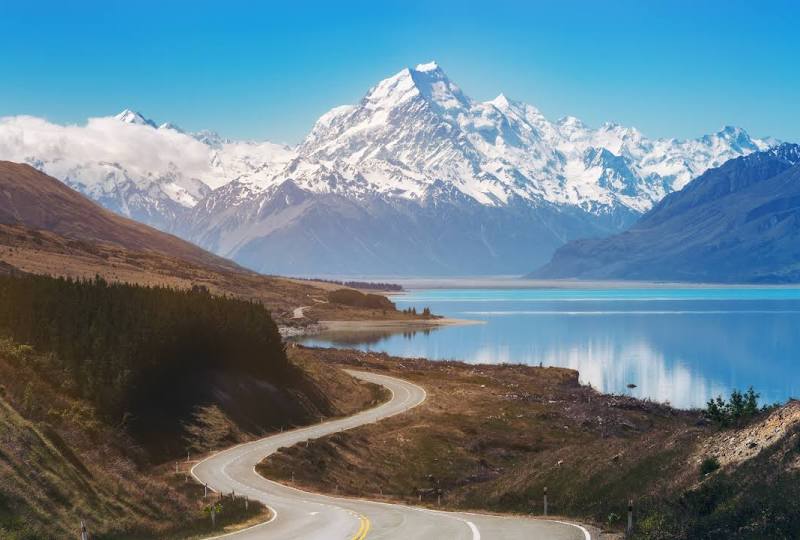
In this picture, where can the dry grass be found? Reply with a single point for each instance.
(347, 395)
(42, 252)
(492, 437)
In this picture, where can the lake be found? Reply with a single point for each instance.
(677, 345)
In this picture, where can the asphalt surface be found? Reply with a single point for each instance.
(302, 515)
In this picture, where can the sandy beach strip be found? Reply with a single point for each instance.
(394, 325)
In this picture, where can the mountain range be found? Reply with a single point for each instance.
(416, 178)
(736, 223)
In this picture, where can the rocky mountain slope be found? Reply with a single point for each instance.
(415, 178)
(736, 223)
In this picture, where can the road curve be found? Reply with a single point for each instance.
(309, 516)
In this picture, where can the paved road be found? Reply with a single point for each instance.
(307, 516)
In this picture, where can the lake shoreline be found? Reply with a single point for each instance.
(683, 346)
(393, 325)
(513, 282)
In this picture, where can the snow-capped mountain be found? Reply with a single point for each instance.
(132, 117)
(415, 178)
(132, 166)
(418, 127)
(736, 223)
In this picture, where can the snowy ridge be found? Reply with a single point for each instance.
(415, 141)
(408, 131)
(417, 127)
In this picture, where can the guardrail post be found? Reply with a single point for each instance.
(629, 529)
(545, 500)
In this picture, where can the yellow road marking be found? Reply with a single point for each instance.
(363, 528)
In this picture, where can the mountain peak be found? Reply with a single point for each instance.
(132, 117)
(501, 101)
(731, 131)
(571, 122)
(433, 84)
(426, 80)
(170, 125)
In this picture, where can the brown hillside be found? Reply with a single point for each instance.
(48, 228)
(31, 198)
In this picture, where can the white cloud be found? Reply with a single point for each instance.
(147, 154)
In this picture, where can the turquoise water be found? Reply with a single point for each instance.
(681, 345)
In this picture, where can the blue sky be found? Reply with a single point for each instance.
(256, 70)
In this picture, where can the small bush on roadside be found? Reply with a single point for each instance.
(656, 526)
(709, 465)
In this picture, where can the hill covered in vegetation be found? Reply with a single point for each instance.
(104, 385)
(146, 356)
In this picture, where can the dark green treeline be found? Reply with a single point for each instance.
(141, 353)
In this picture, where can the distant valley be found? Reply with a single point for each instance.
(417, 178)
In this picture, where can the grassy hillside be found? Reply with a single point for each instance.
(61, 463)
(146, 357)
(104, 386)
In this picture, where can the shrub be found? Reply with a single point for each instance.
(352, 297)
(709, 465)
(656, 526)
(210, 429)
(737, 410)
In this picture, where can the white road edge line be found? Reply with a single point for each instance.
(476, 534)
(270, 520)
(586, 534)
(272, 511)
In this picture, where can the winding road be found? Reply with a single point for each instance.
(302, 515)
